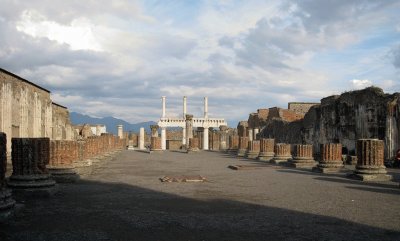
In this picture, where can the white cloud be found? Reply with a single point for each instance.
(360, 84)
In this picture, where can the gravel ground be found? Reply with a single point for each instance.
(124, 200)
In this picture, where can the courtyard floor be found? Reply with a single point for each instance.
(124, 199)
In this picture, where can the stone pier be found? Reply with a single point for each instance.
(155, 144)
(243, 146)
(254, 149)
(7, 203)
(62, 157)
(29, 159)
(303, 156)
(233, 144)
(370, 161)
(282, 153)
(266, 149)
(331, 158)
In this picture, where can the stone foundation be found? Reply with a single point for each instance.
(370, 161)
(30, 175)
(266, 149)
(7, 203)
(303, 156)
(282, 153)
(331, 158)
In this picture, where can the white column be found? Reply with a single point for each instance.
(141, 138)
(205, 107)
(184, 107)
(255, 132)
(120, 131)
(205, 138)
(163, 106)
(163, 138)
(250, 134)
(184, 135)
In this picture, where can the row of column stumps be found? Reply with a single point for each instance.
(7, 203)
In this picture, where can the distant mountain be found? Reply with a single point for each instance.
(110, 123)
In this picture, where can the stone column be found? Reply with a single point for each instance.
(163, 138)
(163, 106)
(141, 138)
(250, 133)
(61, 164)
(184, 118)
(331, 158)
(282, 153)
(98, 130)
(266, 149)
(154, 130)
(243, 146)
(7, 204)
(303, 156)
(205, 138)
(193, 145)
(254, 149)
(206, 108)
(233, 144)
(155, 144)
(189, 128)
(120, 132)
(255, 132)
(29, 159)
(370, 161)
(222, 138)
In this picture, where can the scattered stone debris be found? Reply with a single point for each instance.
(183, 178)
(251, 167)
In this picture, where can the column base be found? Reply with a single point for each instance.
(371, 177)
(302, 163)
(252, 155)
(265, 156)
(241, 152)
(280, 159)
(7, 204)
(66, 174)
(329, 167)
(192, 150)
(39, 185)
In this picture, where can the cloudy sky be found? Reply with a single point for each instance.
(114, 57)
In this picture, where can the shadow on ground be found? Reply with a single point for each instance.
(91, 210)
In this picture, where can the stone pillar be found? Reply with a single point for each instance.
(282, 153)
(266, 149)
(141, 138)
(193, 145)
(205, 138)
(370, 161)
(254, 149)
(154, 130)
(250, 133)
(155, 144)
(120, 132)
(163, 106)
(29, 159)
(61, 164)
(7, 204)
(189, 128)
(206, 108)
(243, 146)
(98, 130)
(303, 156)
(184, 118)
(255, 132)
(163, 138)
(222, 138)
(331, 158)
(233, 144)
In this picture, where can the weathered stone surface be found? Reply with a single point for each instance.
(266, 149)
(370, 161)
(253, 150)
(303, 156)
(155, 144)
(233, 143)
(282, 153)
(62, 157)
(193, 144)
(7, 203)
(331, 158)
(243, 146)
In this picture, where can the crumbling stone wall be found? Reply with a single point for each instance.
(300, 107)
(62, 127)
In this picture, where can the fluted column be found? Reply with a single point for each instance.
(61, 164)
(303, 156)
(7, 203)
(253, 150)
(331, 158)
(370, 161)
(243, 145)
(266, 149)
(282, 153)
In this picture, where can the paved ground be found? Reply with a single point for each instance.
(125, 200)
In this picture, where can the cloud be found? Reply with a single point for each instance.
(360, 84)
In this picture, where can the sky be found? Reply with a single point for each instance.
(117, 58)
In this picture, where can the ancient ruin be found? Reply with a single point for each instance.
(266, 149)
(253, 149)
(7, 203)
(303, 156)
(331, 158)
(282, 153)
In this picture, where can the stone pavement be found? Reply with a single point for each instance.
(124, 199)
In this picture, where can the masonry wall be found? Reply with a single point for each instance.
(300, 107)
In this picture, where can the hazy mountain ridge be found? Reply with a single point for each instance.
(110, 123)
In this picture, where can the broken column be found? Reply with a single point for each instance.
(120, 131)
(7, 204)
(266, 149)
(141, 138)
(253, 150)
(303, 156)
(222, 138)
(233, 144)
(189, 129)
(193, 145)
(62, 157)
(243, 146)
(155, 143)
(370, 161)
(331, 158)
(282, 153)
(29, 159)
